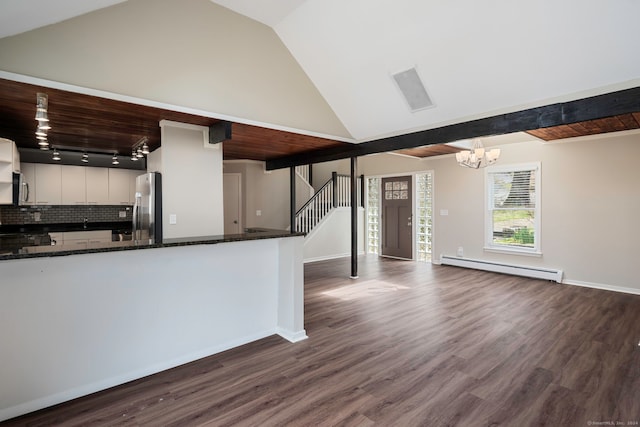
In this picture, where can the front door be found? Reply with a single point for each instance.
(232, 202)
(397, 217)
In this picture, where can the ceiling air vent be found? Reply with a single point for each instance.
(413, 90)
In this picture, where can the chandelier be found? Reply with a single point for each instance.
(477, 157)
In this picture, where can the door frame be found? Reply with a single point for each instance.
(240, 213)
(411, 198)
(413, 174)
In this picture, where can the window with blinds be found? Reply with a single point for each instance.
(513, 215)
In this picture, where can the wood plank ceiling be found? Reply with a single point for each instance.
(591, 127)
(98, 125)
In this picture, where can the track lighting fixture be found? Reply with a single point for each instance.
(42, 103)
(140, 149)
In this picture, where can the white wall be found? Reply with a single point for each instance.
(266, 191)
(331, 238)
(142, 311)
(191, 181)
(590, 201)
(322, 171)
(304, 192)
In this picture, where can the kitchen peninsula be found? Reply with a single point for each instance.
(76, 322)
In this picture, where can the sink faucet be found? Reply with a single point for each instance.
(84, 222)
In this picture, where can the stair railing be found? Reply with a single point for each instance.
(335, 193)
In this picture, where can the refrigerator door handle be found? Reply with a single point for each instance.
(136, 220)
(25, 193)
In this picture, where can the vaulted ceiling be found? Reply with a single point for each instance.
(324, 67)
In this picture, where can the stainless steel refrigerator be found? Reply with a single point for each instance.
(147, 210)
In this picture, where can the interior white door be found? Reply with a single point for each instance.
(231, 187)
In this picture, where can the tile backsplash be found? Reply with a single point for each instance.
(62, 214)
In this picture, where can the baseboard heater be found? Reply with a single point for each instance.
(518, 270)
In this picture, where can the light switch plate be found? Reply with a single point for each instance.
(173, 219)
(444, 212)
(258, 212)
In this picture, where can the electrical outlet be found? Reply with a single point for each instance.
(122, 214)
(460, 251)
(258, 212)
(173, 219)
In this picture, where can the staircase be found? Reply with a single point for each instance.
(335, 193)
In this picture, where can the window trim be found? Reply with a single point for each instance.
(489, 246)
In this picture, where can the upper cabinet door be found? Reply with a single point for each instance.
(97, 186)
(48, 184)
(73, 185)
(118, 186)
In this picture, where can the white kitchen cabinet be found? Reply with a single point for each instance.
(9, 154)
(48, 184)
(119, 186)
(28, 183)
(6, 182)
(9, 163)
(97, 186)
(73, 190)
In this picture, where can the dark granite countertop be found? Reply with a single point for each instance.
(61, 250)
(62, 227)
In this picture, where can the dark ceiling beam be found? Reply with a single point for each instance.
(564, 113)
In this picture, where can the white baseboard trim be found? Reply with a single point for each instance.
(54, 399)
(292, 336)
(328, 257)
(600, 286)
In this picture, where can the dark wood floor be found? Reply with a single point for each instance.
(406, 344)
